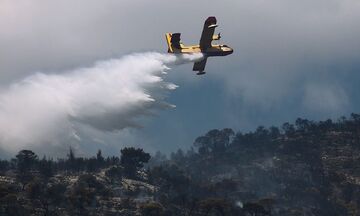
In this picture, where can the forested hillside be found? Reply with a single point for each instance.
(301, 168)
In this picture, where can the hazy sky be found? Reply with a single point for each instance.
(292, 59)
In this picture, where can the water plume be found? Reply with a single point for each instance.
(44, 110)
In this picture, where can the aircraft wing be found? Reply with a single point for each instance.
(200, 66)
(207, 33)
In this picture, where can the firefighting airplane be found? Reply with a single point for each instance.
(206, 47)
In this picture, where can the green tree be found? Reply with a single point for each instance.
(114, 173)
(100, 159)
(25, 161)
(274, 132)
(133, 159)
(289, 129)
(46, 167)
(178, 156)
(84, 193)
(214, 141)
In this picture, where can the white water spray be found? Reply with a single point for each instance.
(41, 110)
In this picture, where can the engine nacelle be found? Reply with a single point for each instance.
(216, 37)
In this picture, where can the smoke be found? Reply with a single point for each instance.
(44, 111)
(325, 97)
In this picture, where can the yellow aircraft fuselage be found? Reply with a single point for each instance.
(214, 50)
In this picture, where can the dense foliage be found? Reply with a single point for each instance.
(305, 168)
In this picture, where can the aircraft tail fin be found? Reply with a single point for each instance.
(173, 42)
